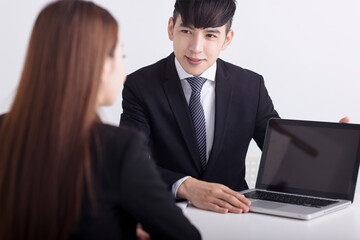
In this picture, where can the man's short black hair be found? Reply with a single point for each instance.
(205, 13)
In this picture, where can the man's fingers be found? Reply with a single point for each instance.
(231, 208)
(237, 195)
(243, 199)
(233, 202)
(217, 208)
(229, 199)
(214, 197)
(345, 120)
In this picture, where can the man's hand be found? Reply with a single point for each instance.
(344, 120)
(212, 196)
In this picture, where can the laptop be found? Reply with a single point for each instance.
(307, 169)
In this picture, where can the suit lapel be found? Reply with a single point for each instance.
(175, 95)
(223, 95)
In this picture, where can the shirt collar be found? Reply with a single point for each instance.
(208, 74)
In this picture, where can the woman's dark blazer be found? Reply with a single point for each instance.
(128, 190)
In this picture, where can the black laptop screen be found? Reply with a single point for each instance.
(313, 158)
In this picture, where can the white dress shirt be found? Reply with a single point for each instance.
(207, 99)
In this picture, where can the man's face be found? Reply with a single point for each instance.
(197, 49)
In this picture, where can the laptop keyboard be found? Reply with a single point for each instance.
(291, 199)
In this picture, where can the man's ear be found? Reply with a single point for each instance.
(171, 29)
(229, 37)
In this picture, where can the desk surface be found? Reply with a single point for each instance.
(343, 224)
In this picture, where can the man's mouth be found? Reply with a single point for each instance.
(194, 61)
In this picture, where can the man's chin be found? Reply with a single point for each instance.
(195, 71)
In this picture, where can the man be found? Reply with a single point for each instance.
(198, 111)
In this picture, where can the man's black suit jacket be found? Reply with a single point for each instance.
(154, 102)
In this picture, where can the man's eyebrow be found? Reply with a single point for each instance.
(207, 30)
(212, 31)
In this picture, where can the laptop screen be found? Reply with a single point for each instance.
(312, 158)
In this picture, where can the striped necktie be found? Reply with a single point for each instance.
(198, 117)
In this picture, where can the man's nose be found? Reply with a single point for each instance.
(197, 44)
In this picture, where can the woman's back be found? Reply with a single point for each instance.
(128, 189)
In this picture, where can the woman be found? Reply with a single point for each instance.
(64, 174)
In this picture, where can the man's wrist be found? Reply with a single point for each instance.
(183, 188)
(176, 185)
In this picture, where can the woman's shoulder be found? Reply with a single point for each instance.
(117, 133)
(117, 141)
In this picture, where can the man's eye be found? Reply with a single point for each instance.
(211, 36)
(185, 31)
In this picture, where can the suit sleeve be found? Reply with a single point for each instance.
(134, 114)
(146, 198)
(265, 111)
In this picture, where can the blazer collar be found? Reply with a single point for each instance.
(223, 95)
(176, 98)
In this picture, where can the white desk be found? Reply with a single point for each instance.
(343, 224)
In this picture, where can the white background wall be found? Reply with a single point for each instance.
(308, 51)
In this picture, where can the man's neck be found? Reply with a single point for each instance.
(208, 74)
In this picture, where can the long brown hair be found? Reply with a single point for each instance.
(45, 138)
